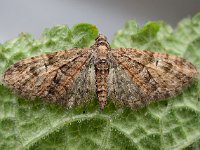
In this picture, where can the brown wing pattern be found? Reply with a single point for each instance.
(140, 76)
(129, 76)
(65, 77)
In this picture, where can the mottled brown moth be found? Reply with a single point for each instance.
(129, 76)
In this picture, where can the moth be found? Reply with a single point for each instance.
(128, 76)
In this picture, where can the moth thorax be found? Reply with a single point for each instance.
(102, 65)
(102, 52)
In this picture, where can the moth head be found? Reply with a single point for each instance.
(101, 40)
(101, 37)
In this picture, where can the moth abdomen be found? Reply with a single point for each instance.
(102, 72)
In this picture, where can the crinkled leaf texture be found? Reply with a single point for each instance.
(170, 124)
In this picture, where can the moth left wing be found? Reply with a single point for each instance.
(65, 77)
(138, 77)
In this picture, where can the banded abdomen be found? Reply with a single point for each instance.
(102, 71)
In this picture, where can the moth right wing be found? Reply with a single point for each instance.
(138, 77)
(66, 77)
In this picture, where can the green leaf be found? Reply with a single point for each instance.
(152, 35)
(172, 124)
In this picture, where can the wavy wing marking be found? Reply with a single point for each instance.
(139, 77)
(64, 77)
